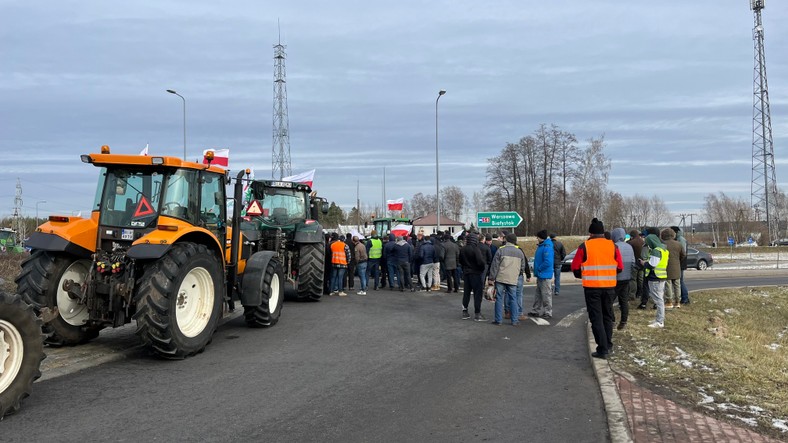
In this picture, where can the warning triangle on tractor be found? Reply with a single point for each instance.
(143, 208)
(254, 208)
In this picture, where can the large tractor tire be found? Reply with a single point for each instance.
(179, 301)
(272, 287)
(21, 351)
(41, 284)
(311, 261)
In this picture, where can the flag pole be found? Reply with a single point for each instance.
(385, 205)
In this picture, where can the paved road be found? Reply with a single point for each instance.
(385, 367)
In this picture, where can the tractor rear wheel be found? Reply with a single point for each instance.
(311, 259)
(273, 293)
(41, 284)
(179, 301)
(21, 351)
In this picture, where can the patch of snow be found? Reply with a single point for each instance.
(748, 421)
(756, 409)
(686, 363)
(730, 407)
(705, 399)
(773, 346)
(731, 311)
(782, 425)
(719, 392)
(639, 362)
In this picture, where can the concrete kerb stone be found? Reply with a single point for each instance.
(617, 423)
(116, 344)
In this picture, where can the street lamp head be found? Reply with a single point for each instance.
(441, 92)
(171, 91)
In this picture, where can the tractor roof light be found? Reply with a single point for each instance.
(58, 218)
(86, 158)
(172, 228)
(105, 149)
(157, 160)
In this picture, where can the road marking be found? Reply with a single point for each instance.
(569, 319)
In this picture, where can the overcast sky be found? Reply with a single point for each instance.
(669, 83)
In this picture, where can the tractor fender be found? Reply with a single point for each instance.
(55, 243)
(309, 233)
(148, 251)
(252, 280)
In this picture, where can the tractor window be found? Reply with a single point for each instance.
(130, 198)
(284, 206)
(180, 196)
(212, 201)
(100, 189)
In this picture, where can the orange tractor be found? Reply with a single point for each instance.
(156, 249)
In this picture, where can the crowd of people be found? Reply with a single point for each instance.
(613, 266)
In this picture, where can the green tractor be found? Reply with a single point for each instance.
(8, 241)
(282, 217)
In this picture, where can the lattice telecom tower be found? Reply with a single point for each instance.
(764, 183)
(281, 147)
(18, 223)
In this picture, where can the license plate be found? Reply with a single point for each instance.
(127, 234)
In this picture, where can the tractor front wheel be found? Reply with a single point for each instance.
(272, 288)
(21, 351)
(179, 301)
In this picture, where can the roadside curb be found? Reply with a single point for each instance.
(618, 426)
(68, 360)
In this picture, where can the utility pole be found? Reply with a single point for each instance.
(358, 208)
(764, 183)
(280, 166)
(18, 221)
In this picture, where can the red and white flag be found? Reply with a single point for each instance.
(306, 178)
(401, 230)
(145, 151)
(221, 157)
(395, 205)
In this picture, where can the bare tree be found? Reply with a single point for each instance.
(453, 202)
(588, 187)
(421, 205)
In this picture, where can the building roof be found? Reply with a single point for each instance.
(432, 219)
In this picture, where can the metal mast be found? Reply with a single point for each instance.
(18, 221)
(281, 147)
(764, 183)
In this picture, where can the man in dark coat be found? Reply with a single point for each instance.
(559, 254)
(450, 258)
(473, 265)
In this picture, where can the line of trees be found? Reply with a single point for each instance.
(728, 216)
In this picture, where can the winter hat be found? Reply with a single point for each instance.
(634, 233)
(596, 227)
(667, 234)
(511, 238)
(542, 234)
(334, 236)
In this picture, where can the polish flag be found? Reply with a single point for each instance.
(145, 151)
(395, 205)
(221, 157)
(401, 230)
(306, 178)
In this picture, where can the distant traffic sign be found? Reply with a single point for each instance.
(508, 219)
(730, 240)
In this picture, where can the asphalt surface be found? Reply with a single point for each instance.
(388, 366)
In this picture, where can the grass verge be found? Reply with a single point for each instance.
(726, 353)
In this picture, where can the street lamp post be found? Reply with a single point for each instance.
(437, 168)
(40, 201)
(184, 120)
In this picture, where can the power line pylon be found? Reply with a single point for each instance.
(280, 166)
(764, 183)
(18, 221)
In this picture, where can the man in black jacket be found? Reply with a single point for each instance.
(559, 254)
(473, 265)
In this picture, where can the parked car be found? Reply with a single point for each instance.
(566, 265)
(780, 242)
(698, 259)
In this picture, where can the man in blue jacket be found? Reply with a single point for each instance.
(543, 270)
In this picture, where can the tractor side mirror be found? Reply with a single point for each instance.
(324, 207)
